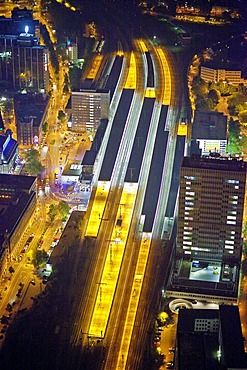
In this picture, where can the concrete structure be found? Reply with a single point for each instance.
(209, 129)
(89, 160)
(197, 339)
(231, 340)
(210, 339)
(23, 61)
(71, 172)
(17, 206)
(88, 108)
(233, 77)
(8, 152)
(30, 115)
(209, 243)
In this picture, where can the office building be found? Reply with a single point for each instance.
(211, 201)
(89, 107)
(209, 244)
(23, 61)
(233, 77)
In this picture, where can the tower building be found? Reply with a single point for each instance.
(209, 245)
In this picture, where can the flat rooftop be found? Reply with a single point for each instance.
(205, 277)
(221, 164)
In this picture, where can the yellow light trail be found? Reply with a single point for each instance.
(131, 79)
(108, 282)
(167, 74)
(134, 301)
(97, 209)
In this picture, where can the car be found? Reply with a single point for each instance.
(32, 282)
(172, 350)
(23, 251)
(169, 365)
(5, 288)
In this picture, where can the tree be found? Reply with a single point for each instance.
(40, 257)
(244, 267)
(214, 95)
(34, 168)
(33, 165)
(162, 317)
(52, 212)
(243, 117)
(45, 127)
(11, 270)
(32, 154)
(61, 116)
(63, 209)
(199, 86)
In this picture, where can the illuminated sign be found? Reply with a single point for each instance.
(6, 143)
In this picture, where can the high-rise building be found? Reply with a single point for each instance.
(209, 243)
(23, 61)
(211, 202)
(88, 108)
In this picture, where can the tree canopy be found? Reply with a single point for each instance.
(33, 165)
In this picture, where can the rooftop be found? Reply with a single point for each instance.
(218, 164)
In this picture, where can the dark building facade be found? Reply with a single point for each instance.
(23, 62)
(17, 206)
(30, 115)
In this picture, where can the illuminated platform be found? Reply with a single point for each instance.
(116, 247)
(150, 93)
(131, 79)
(134, 300)
(182, 129)
(167, 74)
(142, 46)
(95, 67)
(98, 208)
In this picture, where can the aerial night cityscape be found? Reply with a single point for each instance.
(123, 162)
